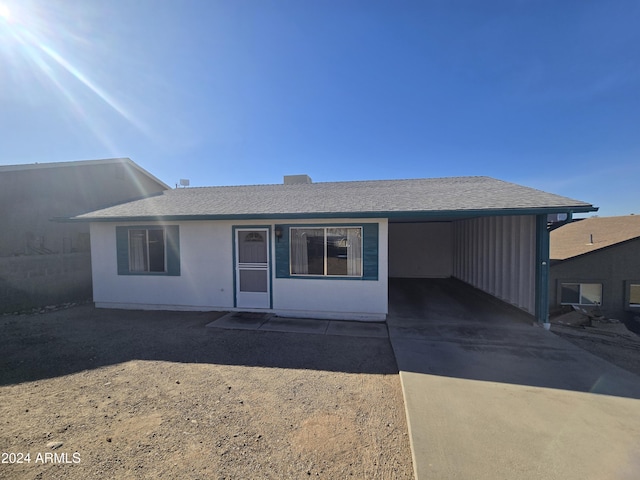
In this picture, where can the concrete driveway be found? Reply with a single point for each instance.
(490, 396)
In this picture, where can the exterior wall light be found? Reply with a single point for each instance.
(278, 232)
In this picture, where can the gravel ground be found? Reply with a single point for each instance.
(611, 341)
(120, 394)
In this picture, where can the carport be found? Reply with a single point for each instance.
(504, 253)
(487, 396)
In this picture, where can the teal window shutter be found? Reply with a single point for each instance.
(282, 253)
(172, 250)
(370, 251)
(122, 250)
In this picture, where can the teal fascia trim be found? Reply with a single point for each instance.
(233, 260)
(454, 214)
(542, 270)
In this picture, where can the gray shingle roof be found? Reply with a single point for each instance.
(419, 196)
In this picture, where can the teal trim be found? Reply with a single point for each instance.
(233, 266)
(370, 252)
(234, 228)
(281, 248)
(421, 214)
(172, 250)
(122, 250)
(542, 270)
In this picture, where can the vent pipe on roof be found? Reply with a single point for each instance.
(296, 179)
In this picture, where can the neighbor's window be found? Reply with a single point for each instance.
(581, 294)
(327, 251)
(147, 250)
(634, 295)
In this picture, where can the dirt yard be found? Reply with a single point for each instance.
(611, 341)
(92, 393)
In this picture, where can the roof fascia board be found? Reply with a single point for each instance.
(72, 163)
(80, 163)
(145, 172)
(454, 214)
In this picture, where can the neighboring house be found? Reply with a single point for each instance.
(595, 262)
(323, 250)
(44, 262)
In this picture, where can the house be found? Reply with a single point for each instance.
(322, 250)
(44, 262)
(595, 262)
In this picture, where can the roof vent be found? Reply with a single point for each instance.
(296, 179)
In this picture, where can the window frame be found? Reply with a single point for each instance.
(147, 242)
(325, 267)
(635, 307)
(580, 296)
(371, 250)
(171, 236)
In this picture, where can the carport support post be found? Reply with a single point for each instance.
(542, 271)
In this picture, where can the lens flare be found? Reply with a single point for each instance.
(5, 13)
(39, 43)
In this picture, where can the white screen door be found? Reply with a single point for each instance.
(252, 268)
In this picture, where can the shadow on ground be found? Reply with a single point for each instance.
(83, 338)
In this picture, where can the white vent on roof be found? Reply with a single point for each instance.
(296, 179)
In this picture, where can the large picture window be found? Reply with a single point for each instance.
(326, 251)
(581, 294)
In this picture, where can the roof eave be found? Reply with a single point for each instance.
(453, 214)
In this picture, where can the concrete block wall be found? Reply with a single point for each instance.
(31, 281)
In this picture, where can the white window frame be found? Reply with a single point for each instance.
(325, 256)
(580, 284)
(629, 304)
(148, 270)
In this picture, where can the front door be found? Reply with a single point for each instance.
(252, 268)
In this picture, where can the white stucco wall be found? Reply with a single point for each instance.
(337, 298)
(421, 250)
(206, 277)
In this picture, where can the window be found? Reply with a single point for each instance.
(326, 251)
(634, 294)
(581, 294)
(146, 250)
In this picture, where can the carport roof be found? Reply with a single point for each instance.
(433, 197)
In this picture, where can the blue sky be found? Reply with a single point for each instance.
(542, 93)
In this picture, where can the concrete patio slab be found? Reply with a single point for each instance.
(270, 323)
(240, 321)
(358, 329)
(296, 325)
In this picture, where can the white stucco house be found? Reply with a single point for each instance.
(323, 250)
